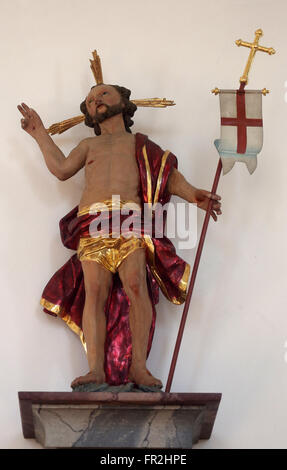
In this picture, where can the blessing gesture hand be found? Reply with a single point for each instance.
(31, 121)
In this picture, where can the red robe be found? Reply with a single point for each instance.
(64, 295)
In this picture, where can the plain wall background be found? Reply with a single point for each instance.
(236, 334)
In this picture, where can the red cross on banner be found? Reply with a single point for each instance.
(241, 121)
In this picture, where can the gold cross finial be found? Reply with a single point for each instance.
(254, 46)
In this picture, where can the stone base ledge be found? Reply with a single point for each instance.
(108, 420)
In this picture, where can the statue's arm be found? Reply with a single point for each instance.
(60, 166)
(178, 186)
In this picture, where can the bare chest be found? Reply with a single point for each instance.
(112, 152)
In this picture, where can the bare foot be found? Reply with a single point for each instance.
(90, 377)
(143, 377)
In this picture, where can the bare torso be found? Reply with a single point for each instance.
(111, 169)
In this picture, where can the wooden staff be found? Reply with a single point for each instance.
(192, 280)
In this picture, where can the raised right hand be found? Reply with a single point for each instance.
(31, 121)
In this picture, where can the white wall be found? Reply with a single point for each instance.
(237, 327)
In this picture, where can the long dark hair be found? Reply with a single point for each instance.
(128, 110)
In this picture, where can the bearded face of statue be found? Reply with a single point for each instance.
(103, 102)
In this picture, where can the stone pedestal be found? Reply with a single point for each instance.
(118, 420)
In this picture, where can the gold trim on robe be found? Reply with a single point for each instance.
(60, 311)
(158, 184)
(184, 280)
(148, 178)
(108, 205)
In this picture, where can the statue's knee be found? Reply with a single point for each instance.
(95, 291)
(135, 285)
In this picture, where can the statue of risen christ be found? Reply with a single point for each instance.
(111, 169)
